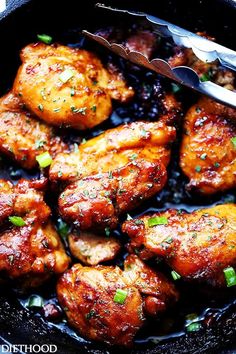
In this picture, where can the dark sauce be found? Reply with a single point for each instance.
(202, 305)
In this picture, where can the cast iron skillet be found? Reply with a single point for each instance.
(18, 26)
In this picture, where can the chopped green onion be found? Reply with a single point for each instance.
(203, 156)
(44, 38)
(39, 144)
(198, 110)
(120, 296)
(35, 301)
(175, 87)
(175, 275)
(204, 77)
(107, 231)
(192, 322)
(191, 317)
(230, 276)
(63, 229)
(157, 220)
(17, 220)
(133, 157)
(76, 148)
(138, 222)
(40, 107)
(194, 327)
(66, 75)
(129, 217)
(11, 259)
(198, 168)
(44, 160)
(110, 175)
(233, 141)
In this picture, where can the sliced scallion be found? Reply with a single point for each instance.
(230, 276)
(17, 221)
(157, 220)
(120, 296)
(44, 38)
(198, 168)
(66, 75)
(233, 141)
(194, 327)
(44, 159)
(35, 301)
(192, 322)
(175, 275)
(204, 77)
(63, 229)
(107, 231)
(129, 217)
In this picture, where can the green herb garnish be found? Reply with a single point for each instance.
(17, 221)
(120, 296)
(157, 220)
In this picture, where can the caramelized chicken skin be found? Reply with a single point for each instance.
(197, 245)
(6, 199)
(31, 253)
(208, 153)
(68, 87)
(158, 292)
(88, 296)
(115, 148)
(98, 200)
(22, 136)
(92, 249)
(144, 42)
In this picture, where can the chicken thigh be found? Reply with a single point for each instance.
(208, 150)
(92, 249)
(68, 87)
(107, 304)
(115, 148)
(197, 245)
(98, 200)
(30, 248)
(22, 136)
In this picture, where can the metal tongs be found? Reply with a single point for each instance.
(203, 48)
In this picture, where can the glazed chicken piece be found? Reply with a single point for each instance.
(197, 245)
(93, 306)
(98, 200)
(208, 150)
(30, 253)
(6, 199)
(68, 87)
(115, 148)
(158, 293)
(142, 41)
(92, 249)
(22, 136)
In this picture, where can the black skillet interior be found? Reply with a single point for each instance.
(63, 22)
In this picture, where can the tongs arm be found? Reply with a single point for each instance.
(203, 48)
